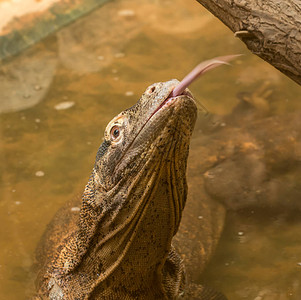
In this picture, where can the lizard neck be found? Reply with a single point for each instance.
(124, 235)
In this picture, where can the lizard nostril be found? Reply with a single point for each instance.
(151, 89)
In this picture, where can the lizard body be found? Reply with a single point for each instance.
(119, 246)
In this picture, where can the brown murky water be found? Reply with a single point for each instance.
(74, 82)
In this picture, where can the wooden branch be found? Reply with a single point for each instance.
(271, 29)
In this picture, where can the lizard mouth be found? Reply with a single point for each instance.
(181, 88)
(171, 99)
(199, 70)
(205, 66)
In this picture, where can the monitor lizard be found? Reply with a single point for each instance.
(119, 246)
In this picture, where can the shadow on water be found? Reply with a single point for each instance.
(58, 96)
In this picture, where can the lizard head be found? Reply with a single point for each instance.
(144, 131)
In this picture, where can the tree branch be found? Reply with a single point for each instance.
(271, 29)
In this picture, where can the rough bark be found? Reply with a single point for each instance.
(271, 29)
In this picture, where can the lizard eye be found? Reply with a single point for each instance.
(115, 132)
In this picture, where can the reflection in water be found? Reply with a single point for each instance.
(25, 80)
(105, 61)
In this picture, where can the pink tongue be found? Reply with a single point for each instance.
(200, 69)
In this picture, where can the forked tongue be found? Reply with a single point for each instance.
(200, 69)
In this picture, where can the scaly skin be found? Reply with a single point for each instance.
(119, 245)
